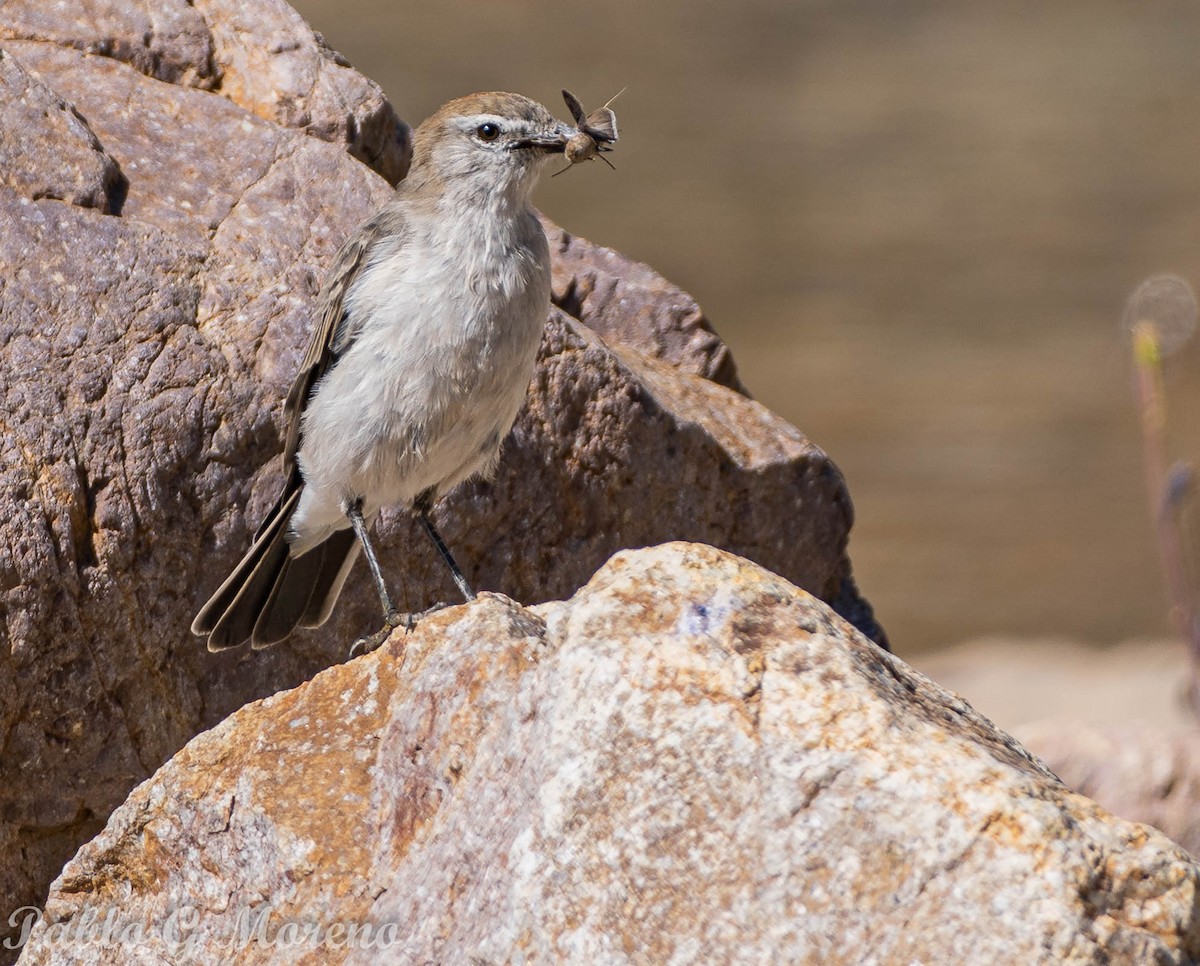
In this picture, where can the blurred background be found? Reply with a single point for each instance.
(916, 224)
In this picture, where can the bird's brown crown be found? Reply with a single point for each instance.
(500, 103)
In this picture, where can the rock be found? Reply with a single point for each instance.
(261, 55)
(628, 302)
(124, 354)
(1112, 722)
(164, 39)
(149, 330)
(690, 761)
(1137, 770)
(51, 152)
(274, 64)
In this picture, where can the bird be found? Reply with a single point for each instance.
(428, 326)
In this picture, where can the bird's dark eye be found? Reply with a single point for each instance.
(488, 132)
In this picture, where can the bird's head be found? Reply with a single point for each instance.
(488, 143)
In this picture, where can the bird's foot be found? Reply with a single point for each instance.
(394, 619)
(409, 621)
(371, 642)
(440, 605)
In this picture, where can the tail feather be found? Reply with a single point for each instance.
(270, 593)
(271, 533)
(341, 550)
(300, 579)
(229, 616)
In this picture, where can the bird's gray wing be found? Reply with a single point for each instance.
(335, 330)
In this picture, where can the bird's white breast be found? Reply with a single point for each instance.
(449, 318)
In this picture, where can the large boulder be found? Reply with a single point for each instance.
(182, 175)
(691, 760)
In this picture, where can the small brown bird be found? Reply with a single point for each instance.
(428, 326)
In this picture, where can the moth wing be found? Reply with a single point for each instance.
(574, 107)
(602, 124)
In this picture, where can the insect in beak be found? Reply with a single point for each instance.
(596, 132)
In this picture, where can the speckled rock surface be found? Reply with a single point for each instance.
(56, 154)
(1139, 771)
(260, 55)
(183, 176)
(628, 302)
(690, 761)
(1113, 723)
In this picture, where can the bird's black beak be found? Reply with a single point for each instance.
(551, 142)
(553, 145)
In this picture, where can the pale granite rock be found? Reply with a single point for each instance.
(1139, 771)
(1113, 723)
(690, 761)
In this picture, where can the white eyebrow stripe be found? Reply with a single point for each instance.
(474, 120)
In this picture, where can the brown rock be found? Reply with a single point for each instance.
(261, 55)
(146, 357)
(274, 64)
(690, 760)
(128, 343)
(48, 150)
(164, 39)
(628, 302)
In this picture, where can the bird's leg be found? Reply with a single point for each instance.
(421, 507)
(392, 617)
(355, 514)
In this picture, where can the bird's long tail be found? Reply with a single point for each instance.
(270, 593)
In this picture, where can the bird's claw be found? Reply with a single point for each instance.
(371, 642)
(396, 619)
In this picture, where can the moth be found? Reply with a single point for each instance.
(597, 131)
